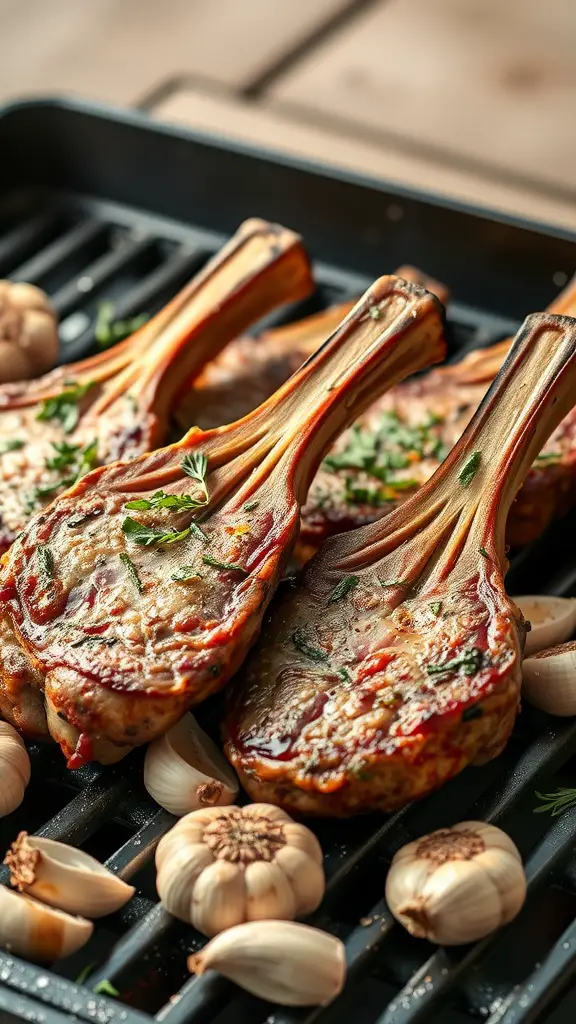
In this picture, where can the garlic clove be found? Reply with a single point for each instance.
(306, 877)
(219, 900)
(553, 620)
(458, 884)
(303, 839)
(268, 892)
(280, 961)
(549, 680)
(65, 877)
(184, 770)
(31, 929)
(14, 769)
(178, 870)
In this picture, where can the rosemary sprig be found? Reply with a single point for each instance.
(148, 535)
(469, 661)
(343, 588)
(184, 573)
(469, 469)
(132, 571)
(229, 566)
(556, 802)
(64, 407)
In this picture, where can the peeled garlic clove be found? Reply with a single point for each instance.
(31, 929)
(549, 680)
(458, 884)
(184, 770)
(280, 961)
(65, 877)
(14, 769)
(553, 620)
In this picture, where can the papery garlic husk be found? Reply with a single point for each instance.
(14, 769)
(222, 866)
(184, 770)
(31, 929)
(549, 680)
(280, 961)
(457, 884)
(65, 877)
(553, 620)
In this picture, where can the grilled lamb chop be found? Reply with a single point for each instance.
(401, 440)
(251, 369)
(117, 405)
(397, 661)
(139, 591)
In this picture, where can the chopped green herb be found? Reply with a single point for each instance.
(108, 641)
(394, 583)
(470, 661)
(375, 312)
(107, 330)
(64, 407)
(45, 490)
(436, 607)
(469, 469)
(545, 456)
(12, 445)
(345, 675)
(45, 561)
(556, 802)
(175, 502)
(301, 643)
(229, 566)
(343, 588)
(483, 552)
(105, 988)
(84, 973)
(185, 572)
(147, 535)
(250, 506)
(132, 571)
(66, 455)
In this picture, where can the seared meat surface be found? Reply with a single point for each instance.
(140, 590)
(397, 661)
(116, 405)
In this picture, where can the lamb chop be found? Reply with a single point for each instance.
(139, 591)
(397, 661)
(250, 369)
(117, 404)
(402, 439)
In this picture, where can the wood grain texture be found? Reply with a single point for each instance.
(230, 117)
(481, 81)
(116, 50)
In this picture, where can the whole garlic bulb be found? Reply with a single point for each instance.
(14, 769)
(457, 884)
(28, 332)
(222, 866)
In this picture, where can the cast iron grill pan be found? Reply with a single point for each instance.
(99, 205)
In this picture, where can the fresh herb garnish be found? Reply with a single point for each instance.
(301, 643)
(556, 802)
(108, 641)
(345, 675)
(185, 572)
(436, 607)
(147, 535)
(195, 465)
(132, 571)
(483, 552)
(64, 407)
(545, 456)
(84, 973)
(229, 566)
(12, 445)
(250, 506)
(81, 460)
(394, 583)
(107, 330)
(45, 561)
(375, 312)
(469, 469)
(469, 661)
(343, 588)
(175, 502)
(105, 988)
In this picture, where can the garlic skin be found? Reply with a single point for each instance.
(553, 620)
(65, 877)
(28, 332)
(280, 961)
(184, 770)
(549, 680)
(222, 866)
(14, 769)
(31, 929)
(457, 884)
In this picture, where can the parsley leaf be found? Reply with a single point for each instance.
(64, 407)
(195, 465)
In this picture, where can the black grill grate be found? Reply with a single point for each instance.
(83, 251)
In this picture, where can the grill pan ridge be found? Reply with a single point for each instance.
(100, 204)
